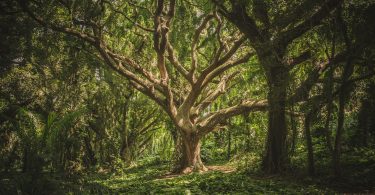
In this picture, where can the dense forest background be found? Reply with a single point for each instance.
(187, 96)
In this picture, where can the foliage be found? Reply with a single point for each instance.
(151, 177)
(75, 121)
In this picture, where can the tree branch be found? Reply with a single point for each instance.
(194, 42)
(176, 63)
(87, 37)
(241, 19)
(294, 13)
(299, 59)
(221, 88)
(208, 123)
(131, 20)
(287, 37)
(205, 78)
(302, 92)
(219, 70)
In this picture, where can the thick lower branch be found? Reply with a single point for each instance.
(209, 122)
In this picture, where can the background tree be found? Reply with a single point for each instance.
(272, 30)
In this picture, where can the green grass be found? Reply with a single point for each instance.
(150, 178)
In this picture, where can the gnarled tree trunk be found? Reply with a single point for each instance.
(187, 153)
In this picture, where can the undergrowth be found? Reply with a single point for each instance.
(150, 177)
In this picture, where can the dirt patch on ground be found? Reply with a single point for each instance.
(221, 168)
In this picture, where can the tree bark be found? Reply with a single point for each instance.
(294, 132)
(25, 159)
(188, 150)
(363, 123)
(310, 151)
(276, 156)
(229, 144)
(328, 86)
(90, 154)
(340, 125)
(126, 154)
(125, 145)
(344, 95)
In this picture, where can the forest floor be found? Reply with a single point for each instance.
(218, 180)
(219, 168)
(222, 178)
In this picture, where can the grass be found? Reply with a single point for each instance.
(153, 178)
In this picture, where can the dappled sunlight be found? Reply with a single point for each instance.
(187, 97)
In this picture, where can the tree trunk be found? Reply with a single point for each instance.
(310, 151)
(293, 141)
(188, 154)
(275, 159)
(344, 94)
(328, 86)
(127, 138)
(25, 159)
(229, 144)
(126, 151)
(327, 129)
(363, 124)
(90, 154)
(340, 127)
(337, 149)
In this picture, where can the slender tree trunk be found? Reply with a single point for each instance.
(125, 146)
(229, 144)
(340, 127)
(328, 93)
(248, 131)
(363, 123)
(90, 153)
(25, 160)
(126, 150)
(188, 151)
(344, 94)
(327, 129)
(276, 156)
(343, 97)
(101, 149)
(310, 150)
(294, 132)
(9, 163)
(337, 149)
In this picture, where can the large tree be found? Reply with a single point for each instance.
(180, 77)
(272, 29)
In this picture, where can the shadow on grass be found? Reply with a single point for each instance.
(221, 179)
